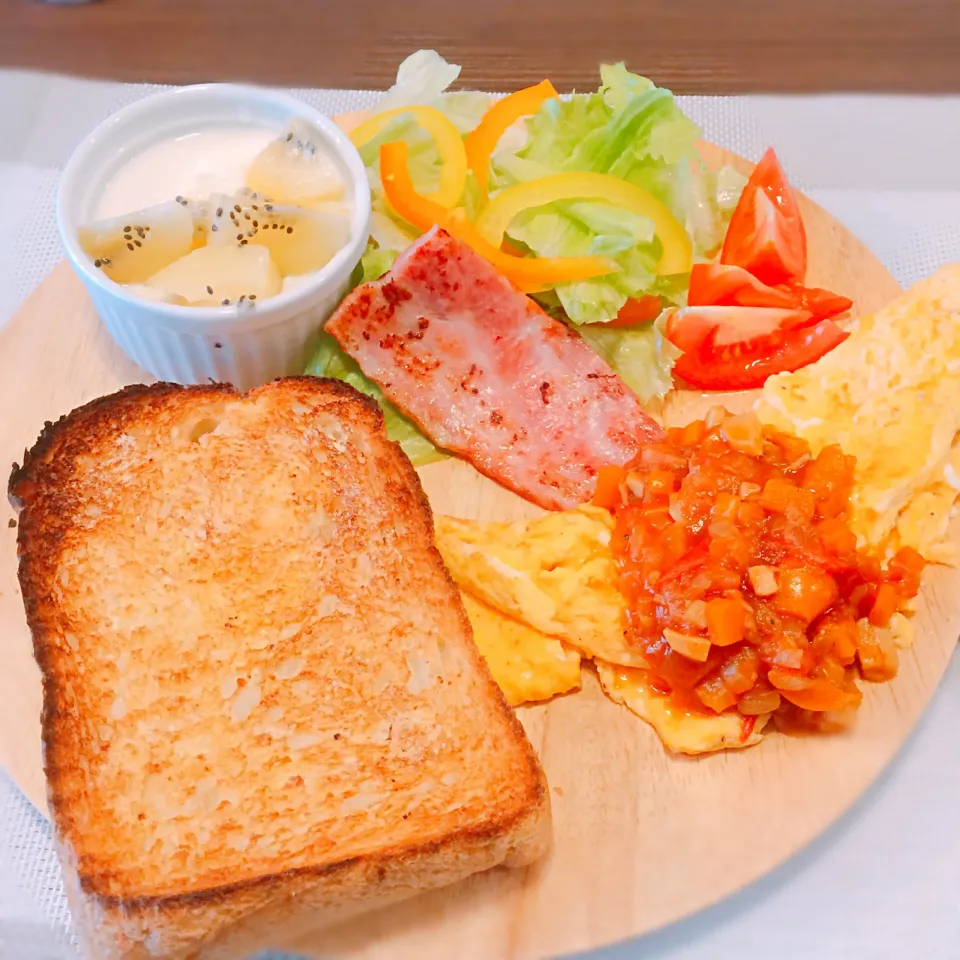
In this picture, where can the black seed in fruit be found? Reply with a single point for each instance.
(137, 243)
(127, 229)
(289, 229)
(128, 236)
(239, 236)
(243, 297)
(209, 289)
(98, 263)
(225, 302)
(268, 207)
(243, 243)
(219, 211)
(130, 246)
(214, 228)
(252, 296)
(219, 346)
(237, 208)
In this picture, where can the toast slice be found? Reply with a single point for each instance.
(263, 706)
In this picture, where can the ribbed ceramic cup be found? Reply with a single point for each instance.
(242, 346)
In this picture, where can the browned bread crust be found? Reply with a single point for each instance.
(263, 706)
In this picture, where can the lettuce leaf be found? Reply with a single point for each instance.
(421, 78)
(376, 262)
(331, 361)
(641, 355)
(633, 130)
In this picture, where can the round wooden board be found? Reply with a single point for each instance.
(641, 838)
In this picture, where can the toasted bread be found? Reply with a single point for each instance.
(262, 702)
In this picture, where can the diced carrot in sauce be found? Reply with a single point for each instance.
(837, 537)
(607, 492)
(821, 695)
(805, 592)
(658, 483)
(885, 605)
(725, 620)
(742, 579)
(837, 638)
(793, 448)
(906, 568)
(781, 496)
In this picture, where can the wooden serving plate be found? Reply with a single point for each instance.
(641, 838)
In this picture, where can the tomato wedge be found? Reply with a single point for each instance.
(741, 366)
(821, 303)
(749, 327)
(726, 285)
(634, 312)
(766, 235)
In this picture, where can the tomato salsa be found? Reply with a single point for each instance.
(743, 581)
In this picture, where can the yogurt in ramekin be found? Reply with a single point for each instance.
(171, 318)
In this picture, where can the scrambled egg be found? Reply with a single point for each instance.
(890, 396)
(680, 731)
(548, 589)
(555, 573)
(526, 664)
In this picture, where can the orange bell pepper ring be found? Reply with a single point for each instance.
(483, 139)
(528, 273)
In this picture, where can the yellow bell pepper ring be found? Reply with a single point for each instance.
(496, 217)
(483, 139)
(530, 274)
(453, 156)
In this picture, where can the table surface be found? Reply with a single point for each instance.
(691, 46)
(884, 882)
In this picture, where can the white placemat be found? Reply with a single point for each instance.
(884, 883)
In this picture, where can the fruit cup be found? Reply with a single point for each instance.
(243, 344)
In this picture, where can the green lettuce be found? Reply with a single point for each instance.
(641, 355)
(635, 131)
(330, 361)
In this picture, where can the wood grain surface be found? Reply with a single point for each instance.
(641, 838)
(691, 46)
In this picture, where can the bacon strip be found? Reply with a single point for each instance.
(490, 376)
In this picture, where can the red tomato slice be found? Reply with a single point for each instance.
(766, 235)
(732, 367)
(821, 303)
(720, 284)
(644, 310)
(689, 327)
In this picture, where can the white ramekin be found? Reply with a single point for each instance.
(197, 344)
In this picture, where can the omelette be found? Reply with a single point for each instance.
(680, 731)
(526, 664)
(890, 396)
(539, 593)
(555, 573)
